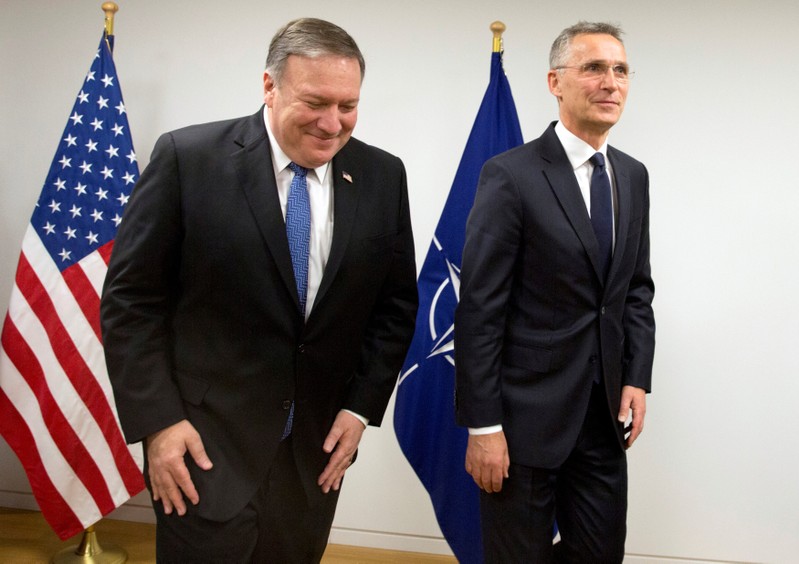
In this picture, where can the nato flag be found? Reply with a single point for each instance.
(424, 414)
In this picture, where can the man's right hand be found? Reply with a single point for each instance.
(169, 477)
(487, 460)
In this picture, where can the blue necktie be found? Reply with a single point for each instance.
(602, 211)
(298, 230)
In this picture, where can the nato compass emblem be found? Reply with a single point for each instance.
(441, 314)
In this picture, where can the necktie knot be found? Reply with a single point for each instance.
(598, 159)
(300, 171)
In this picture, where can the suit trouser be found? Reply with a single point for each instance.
(587, 494)
(277, 525)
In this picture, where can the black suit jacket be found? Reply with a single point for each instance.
(200, 311)
(536, 323)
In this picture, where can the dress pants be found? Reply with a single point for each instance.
(587, 495)
(276, 526)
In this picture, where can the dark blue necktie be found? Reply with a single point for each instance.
(298, 230)
(602, 210)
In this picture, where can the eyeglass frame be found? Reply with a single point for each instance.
(599, 73)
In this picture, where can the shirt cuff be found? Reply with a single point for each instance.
(360, 418)
(485, 430)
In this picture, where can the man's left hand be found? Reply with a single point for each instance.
(633, 399)
(342, 441)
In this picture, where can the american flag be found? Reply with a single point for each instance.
(56, 405)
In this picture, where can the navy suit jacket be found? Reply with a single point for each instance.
(200, 311)
(536, 323)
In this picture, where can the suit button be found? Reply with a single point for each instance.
(286, 404)
(592, 359)
(602, 311)
(301, 348)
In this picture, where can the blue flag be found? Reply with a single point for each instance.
(424, 414)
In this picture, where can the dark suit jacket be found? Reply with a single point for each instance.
(200, 311)
(536, 323)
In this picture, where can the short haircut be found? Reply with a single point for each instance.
(561, 47)
(310, 37)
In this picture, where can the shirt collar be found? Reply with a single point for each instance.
(577, 150)
(280, 160)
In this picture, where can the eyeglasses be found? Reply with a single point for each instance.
(595, 71)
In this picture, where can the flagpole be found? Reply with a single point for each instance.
(89, 550)
(498, 28)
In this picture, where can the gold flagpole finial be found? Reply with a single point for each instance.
(110, 8)
(498, 28)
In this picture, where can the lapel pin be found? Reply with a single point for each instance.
(346, 176)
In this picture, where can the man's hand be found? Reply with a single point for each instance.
(342, 441)
(169, 476)
(634, 399)
(487, 460)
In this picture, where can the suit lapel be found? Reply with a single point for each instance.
(559, 173)
(347, 184)
(253, 163)
(623, 218)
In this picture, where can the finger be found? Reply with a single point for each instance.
(197, 451)
(332, 439)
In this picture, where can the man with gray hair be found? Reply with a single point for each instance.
(259, 303)
(554, 332)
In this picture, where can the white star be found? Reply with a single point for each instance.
(76, 118)
(83, 97)
(117, 129)
(80, 189)
(71, 140)
(101, 194)
(121, 108)
(49, 227)
(86, 167)
(107, 80)
(60, 184)
(65, 162)
(107, 173)
(54, 206)
(132, 157)
(65, 255)
(91, 145)
(97, 124)
(75, 211)
(92, 238)
(97, 215)
(123, 199)
(117, 220)
(129, 178)
(70, 233)
(102, 102)
(112, 151)
(90, 76)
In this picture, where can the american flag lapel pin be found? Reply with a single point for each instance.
(346, 176)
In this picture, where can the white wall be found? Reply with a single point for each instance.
(712, 112)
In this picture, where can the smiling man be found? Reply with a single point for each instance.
(259, 302)
(554, 332)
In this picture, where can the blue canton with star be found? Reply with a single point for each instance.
(93, 171)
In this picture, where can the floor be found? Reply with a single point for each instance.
(25, 538)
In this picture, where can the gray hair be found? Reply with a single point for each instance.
(561, 48)
(310, 37)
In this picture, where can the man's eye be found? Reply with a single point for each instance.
(620, 70)
(593, 67)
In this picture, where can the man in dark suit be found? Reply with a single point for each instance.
(250, 371)
(554, 332)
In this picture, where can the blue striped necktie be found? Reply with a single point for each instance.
(298, 230)
(602, 211)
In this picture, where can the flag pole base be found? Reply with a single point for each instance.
(89, 551)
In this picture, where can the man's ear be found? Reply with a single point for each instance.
(269, 89)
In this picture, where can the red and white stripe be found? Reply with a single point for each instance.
(57, 409)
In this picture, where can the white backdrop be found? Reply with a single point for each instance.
(711, 111)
